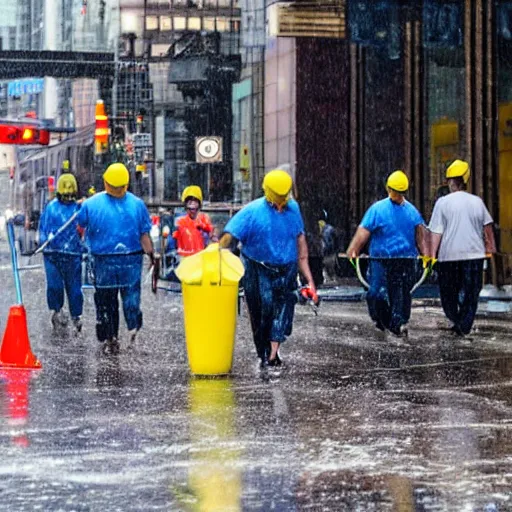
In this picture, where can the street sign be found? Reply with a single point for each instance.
(142, 140)
(208, 149)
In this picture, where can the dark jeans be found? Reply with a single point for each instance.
(107, 310)
(389, 297)
(460, 283)
(269, 294)
(117, 274)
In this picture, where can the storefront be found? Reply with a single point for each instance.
(410, 85)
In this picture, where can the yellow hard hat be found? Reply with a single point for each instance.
(398, 181)
(278, 181)
(277, 185)
(92, 190)
(117, 175)
(192, 191)
(66, 185)
(458, 169)
(65, 165)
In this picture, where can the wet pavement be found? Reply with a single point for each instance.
(351, 423)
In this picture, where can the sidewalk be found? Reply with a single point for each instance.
(492, 300)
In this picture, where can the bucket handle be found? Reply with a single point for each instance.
(213, 272)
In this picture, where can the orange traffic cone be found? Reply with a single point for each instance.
(16, 351)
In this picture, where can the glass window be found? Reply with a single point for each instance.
(165, 23)
(235, 25)
(209, 24)
(222, 25)
(445, 79)
(180, 23)
(504, 92)
(218, 3)
(152, 22)
(194, 23)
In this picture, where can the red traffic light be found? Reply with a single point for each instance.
(9, 134)
(33, 135)
(27, 135)
(23, 134)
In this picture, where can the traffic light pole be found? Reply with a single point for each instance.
(116, 62)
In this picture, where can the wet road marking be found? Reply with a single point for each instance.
(475, 387)
(425, 365)
(396, 427)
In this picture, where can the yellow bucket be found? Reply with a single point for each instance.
(210, 302)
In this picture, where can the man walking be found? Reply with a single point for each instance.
(461, 235)
(274, 249)
(117, 227)
(396, 231)
(63, 254)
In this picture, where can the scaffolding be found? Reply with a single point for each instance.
(199, 42)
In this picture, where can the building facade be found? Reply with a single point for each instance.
(392, 85)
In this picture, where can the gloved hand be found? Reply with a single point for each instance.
(309, 293)
(203, 226)
(427, 260)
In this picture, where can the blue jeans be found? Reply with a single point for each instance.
(64, 272)
(460, 283)
(114, 276)
(269, 294)
(389, 297)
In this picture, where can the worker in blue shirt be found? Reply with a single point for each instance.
(117, 226)
(63, 254)
(395, 230)
(274, 249)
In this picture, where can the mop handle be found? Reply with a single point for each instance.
(14, 260)
(58, 232)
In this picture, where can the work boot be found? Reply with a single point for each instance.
(132, 338)
(110, 347)
(59, 319)
(77, 323)
(276, 362)
(457, 331)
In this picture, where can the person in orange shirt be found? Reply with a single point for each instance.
(195, 229)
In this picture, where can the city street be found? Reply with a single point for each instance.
(352, 422)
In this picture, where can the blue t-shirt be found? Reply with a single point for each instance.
(55, 215)
(267, 235)
(393, 229)
(114, 225)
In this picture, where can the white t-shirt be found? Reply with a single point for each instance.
(460, 218)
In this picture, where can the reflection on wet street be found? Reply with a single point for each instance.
(351, 422)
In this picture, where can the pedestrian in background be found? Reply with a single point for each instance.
(195, 229)
(462, 234)
(395, 230)
(117, 225)
(274, 249)
(63, 254)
